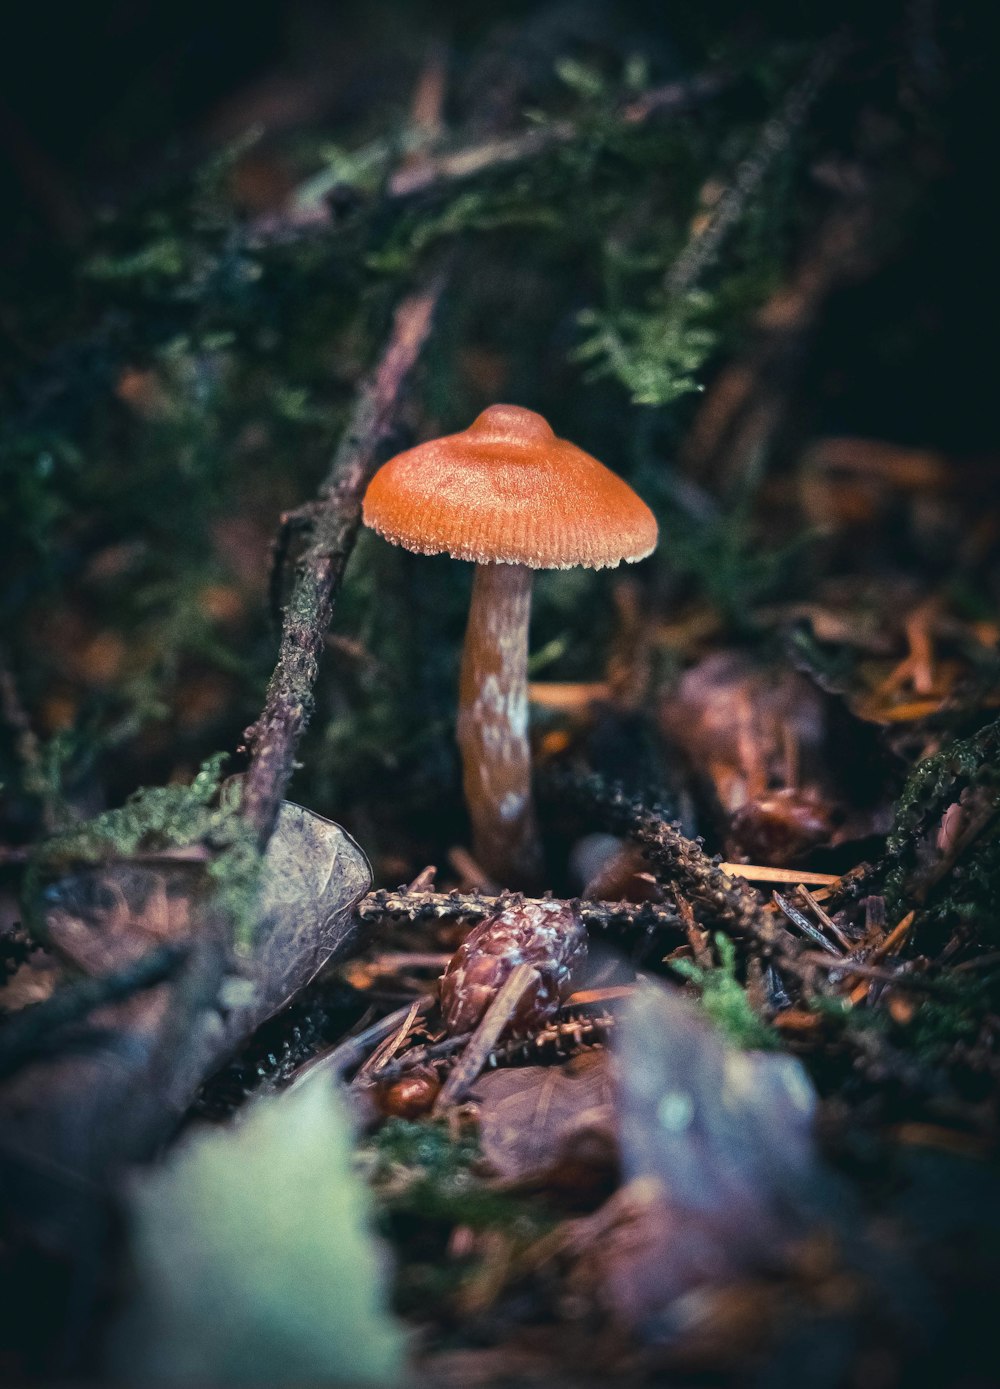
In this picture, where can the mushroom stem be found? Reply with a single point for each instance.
(493, 725)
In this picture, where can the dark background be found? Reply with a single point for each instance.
(96, 99)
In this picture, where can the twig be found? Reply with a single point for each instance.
(824, 918)
(894, 939)
(486, 1036)
(773, 140)
(490, 155)
(33, 1030)
(350, 1054)
(421, 1056)
(390, 1045)
(474, 906)
(802, 922)
(272, 740)
(679, 862)
(881, 973)
(758, 873)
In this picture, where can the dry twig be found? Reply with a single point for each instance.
(773, 140)
(487, 1034)
(474, 906)
(272, 740)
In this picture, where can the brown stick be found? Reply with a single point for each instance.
(473, 906)
(486, 1036)
(272, 740)
(490, 155)
(773, 140)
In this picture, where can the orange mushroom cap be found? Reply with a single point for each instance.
(507, 491)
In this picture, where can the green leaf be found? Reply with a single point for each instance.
(253, 1258)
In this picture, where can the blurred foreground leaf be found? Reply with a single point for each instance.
(254, 1261)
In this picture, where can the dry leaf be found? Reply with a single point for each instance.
(550, 1125)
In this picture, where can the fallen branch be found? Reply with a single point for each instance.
(474, 906)
(679, 862)
(432, 171)
(273, 739)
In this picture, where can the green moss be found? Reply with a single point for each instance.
(425, 1184)
(725, 1000)
(971, 892)
(154, 819)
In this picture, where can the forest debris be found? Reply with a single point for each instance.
(617, 870)
(749, 398)
(494, 1023)
(742, 757)
(726, 900)
(802, 923)
(771, 142)
(472, 876)
(456, 906)
(36, 1030)
(566, 697)
(389, 1046)
(548, 936)
(530, 144)
(782, 824)
(894, 939)
(347, 1055)
(757, 873)
(549, 1125)
(822, 916)
(71, 1120)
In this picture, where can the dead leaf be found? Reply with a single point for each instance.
(717, 1149)
(550, 1125)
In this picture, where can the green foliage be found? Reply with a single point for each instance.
(253, 1259)
(424, 1181)
(725, 1000)
(729, 562)
(423, 1170)
(655, 351)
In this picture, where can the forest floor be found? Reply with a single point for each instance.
(726, 1109)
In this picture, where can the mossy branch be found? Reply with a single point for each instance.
(273, 739)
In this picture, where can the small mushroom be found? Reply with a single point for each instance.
(510, 497)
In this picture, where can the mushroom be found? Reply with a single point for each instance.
(510, 497)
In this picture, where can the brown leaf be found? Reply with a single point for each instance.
(550, 1125)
